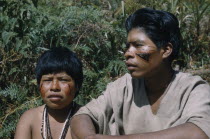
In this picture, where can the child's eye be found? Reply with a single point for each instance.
(47, 80)
(65, 80)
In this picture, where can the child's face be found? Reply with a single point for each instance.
(57, 90)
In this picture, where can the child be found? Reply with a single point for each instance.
(59, 77)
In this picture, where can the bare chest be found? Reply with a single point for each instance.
(55, 128)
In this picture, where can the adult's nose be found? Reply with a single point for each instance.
(130, 52)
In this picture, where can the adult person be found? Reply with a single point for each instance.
(153, 101)
(59, 77)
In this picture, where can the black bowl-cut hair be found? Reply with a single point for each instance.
(60, 59)
(160, 26)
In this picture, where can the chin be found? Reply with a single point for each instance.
(54, 105)
(136, 75)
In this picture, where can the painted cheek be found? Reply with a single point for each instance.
(144, 56)
(42, 90)
(145, 53)
(70, 90)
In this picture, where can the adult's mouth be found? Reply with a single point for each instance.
(130, 65)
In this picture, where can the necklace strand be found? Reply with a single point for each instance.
(45, 128)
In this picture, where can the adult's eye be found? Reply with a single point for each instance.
(139, 45)
(126, 47)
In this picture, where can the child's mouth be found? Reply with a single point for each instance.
(55, 97)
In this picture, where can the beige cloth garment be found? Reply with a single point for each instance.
(123, 108)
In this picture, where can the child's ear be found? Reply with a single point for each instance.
(168, 49)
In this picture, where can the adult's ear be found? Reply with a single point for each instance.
(167, 50)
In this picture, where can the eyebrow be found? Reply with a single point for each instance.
(64, 77)
(46, 76)
(135, 42)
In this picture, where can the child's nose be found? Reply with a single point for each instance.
(55, 86)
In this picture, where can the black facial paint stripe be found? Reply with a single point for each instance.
(144, 56)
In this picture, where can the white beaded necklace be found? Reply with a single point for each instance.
(45, 129)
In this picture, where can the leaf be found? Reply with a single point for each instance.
(18, 44)
(7, 36)
(13, 70)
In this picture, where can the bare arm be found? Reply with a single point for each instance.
(196, 110)
(185, 131)
(83, 128)
(23, 129)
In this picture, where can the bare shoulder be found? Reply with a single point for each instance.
(32, 114)
(27, 122)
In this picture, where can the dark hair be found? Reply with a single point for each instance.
(160, 26)
(60, 59)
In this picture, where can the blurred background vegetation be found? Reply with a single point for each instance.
(94, 29)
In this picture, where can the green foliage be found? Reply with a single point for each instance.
(194, 16)
(13, 93)
(94, 29)
(14, 101)
(194, 19)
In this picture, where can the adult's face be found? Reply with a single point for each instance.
(143, 58)
(57, 90)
